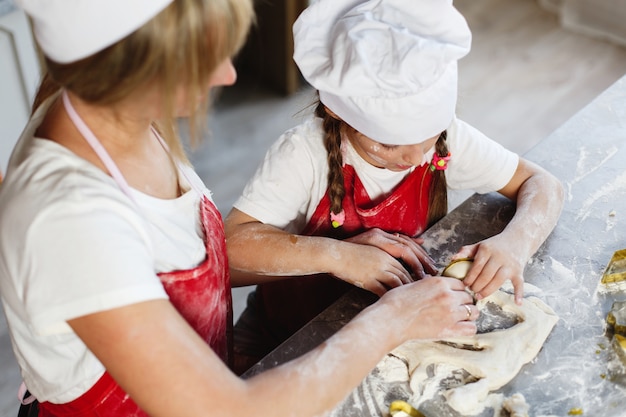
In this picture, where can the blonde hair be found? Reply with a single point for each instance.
(180, 47)
(438, 194)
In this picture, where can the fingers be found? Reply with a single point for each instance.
(413, 255)
(486, 279)
(518, 286)
(396, 275)
(382, 281)
(469, 312)
(401, 247)
(436, 307)
(468, 251)
(428, 263)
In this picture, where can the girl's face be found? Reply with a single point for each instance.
(392, 157)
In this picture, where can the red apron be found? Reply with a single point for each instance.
(202, 295)
(287, 305)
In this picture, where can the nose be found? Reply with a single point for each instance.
(225, 74)
(413, 154)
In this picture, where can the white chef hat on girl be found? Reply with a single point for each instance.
(70, 30)
(388, 68)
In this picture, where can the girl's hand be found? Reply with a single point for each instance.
(368, 267)
(495, 261)
(403, 248)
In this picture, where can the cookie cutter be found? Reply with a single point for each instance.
(615, 272)
(458, 268)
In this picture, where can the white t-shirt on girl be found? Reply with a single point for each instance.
(290, 182)
(72, 243)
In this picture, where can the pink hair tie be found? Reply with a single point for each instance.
(439, 163)
(336, 220)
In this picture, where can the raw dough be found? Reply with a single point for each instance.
(467, 368)
(490, 359)
(458, 269)
(516, 406)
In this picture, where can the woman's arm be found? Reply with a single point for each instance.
(258, 253)
(169, 371)
(539, 199)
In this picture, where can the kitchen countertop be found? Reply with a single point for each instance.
(588, 154)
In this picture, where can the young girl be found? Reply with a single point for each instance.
(113, 271)
(341, 199)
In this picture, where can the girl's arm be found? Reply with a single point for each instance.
(539, 199)
(259, 253)
(169, 371)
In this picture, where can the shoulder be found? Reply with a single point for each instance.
(298, 157)
(50, 191)
(478, 162)
(290, 179)
(62, 220)
(305, 140)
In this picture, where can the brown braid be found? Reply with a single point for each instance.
(438, 194)
(332, 141)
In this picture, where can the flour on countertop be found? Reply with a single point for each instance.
(460, 373)
(607, 191)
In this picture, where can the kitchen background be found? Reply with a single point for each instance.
(534, 63)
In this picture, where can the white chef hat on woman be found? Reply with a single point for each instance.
(70, 30)
(388, 68)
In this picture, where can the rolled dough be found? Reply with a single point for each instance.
(491, 359)
(456, 376)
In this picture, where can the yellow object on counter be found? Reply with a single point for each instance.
(458, 269)
(616, 269)
(398, 406)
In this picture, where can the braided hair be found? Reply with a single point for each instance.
(332, 142)
(438, 194)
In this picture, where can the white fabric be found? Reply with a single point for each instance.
(72, 243)
(69, 30)
(386, 67)
(292, 179)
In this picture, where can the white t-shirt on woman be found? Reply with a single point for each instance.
(71, 244)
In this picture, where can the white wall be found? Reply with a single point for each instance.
(19, 76)
(599, 18)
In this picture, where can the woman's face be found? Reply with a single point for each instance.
(224, 75)
(392, 157)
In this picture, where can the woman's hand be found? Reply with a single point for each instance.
(432, 308)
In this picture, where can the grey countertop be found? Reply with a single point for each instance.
(588, 154)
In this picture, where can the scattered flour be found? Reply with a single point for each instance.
(463, 372)
(608, 191)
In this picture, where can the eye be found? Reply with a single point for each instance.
(388, 147)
